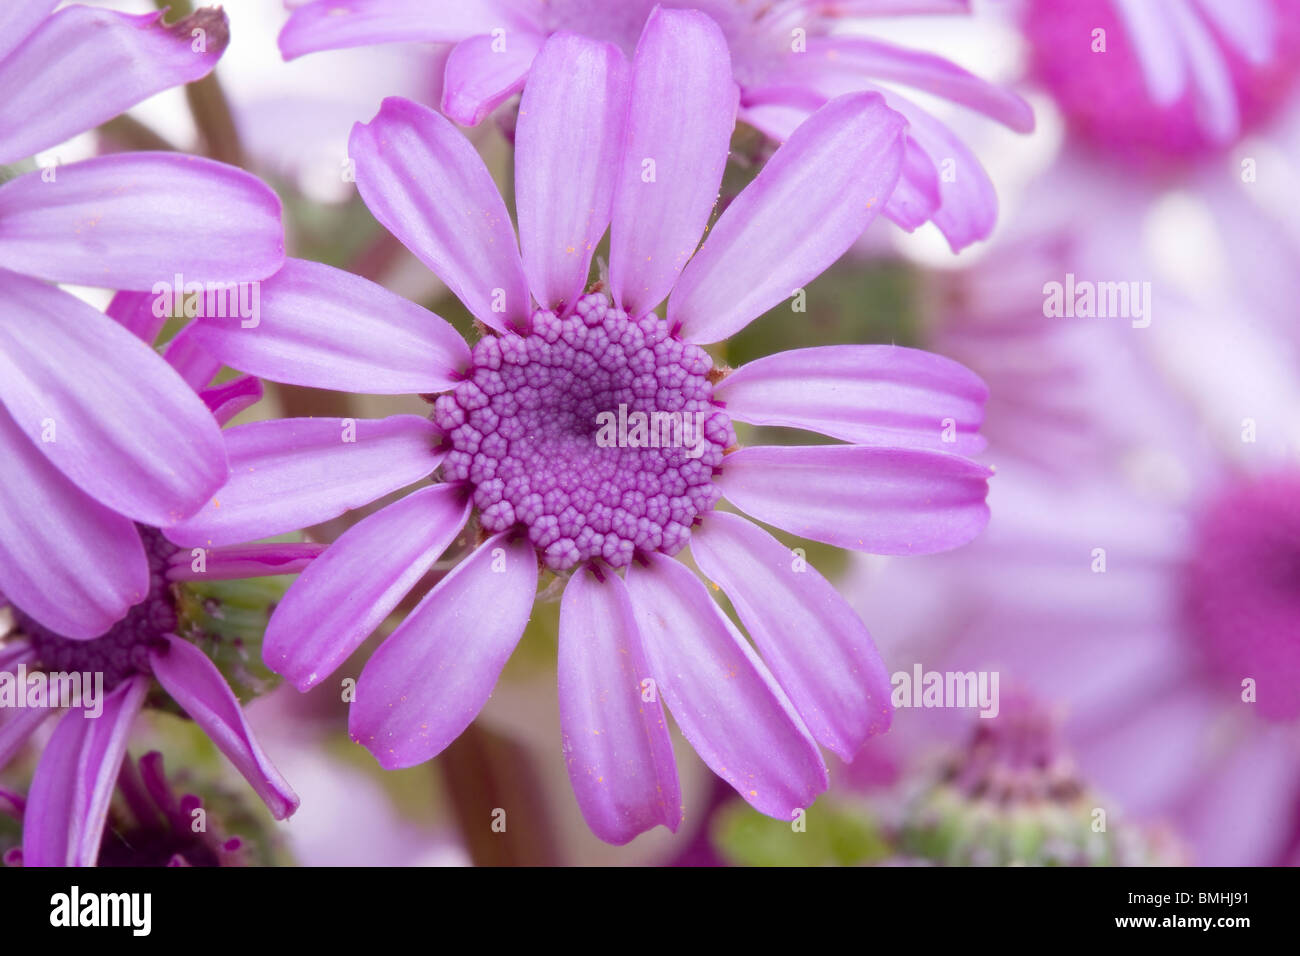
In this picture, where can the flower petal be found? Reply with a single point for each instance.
(94, 64)
(483, 72)
(18, 20)
(292, 473)
(101, 760)
(103, 407)
(436, 671)
(681, 115)
(968, 207)
(135, 311)
(135, 220)
(228, 399)
(919, 70)
(194, 682)
(245, 561)
(191, 360)
(867, 394)
(881, 500)
(337, 24)
(811, 201)
(724, 700)
(916, 198)
(52, 797)
(616, 744)
(67, 804)
(815, 644)
(325, 328)
(348, 591)
(425, 183)
(563, 191)
(66, 560)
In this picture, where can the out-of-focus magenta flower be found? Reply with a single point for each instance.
(515, 432)
(157, 828)
(1164, 78)
(74, 780)
(1149, 586)
(785, 58)
(96, 430)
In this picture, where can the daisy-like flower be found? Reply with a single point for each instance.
(522, 432)
(1164, 78)
(156, 640)
(98, 432)
(152, 825)
(785, 57)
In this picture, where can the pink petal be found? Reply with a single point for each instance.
(922, 71)
(891, 8)
(325, 328)
(48, 823)
(682, 112)
(1159, 52)
(426, 184)
(916, 198)
(724, 700)
(94, 64)
(18, 20)
(245, 561)
(563, 192)
(67, 805)
(812, 201)
(867, 394)
(616, 744)
(126, 428)
(434, 674)
(69, 562)
(348, 591)
(1246, 801)
(881, 500)
(1250, 27)
(135, 311)
(968, 207)
(136, 220)
(815, 644)
(194, 682)
(190, 357)
(230, 398)
(336, 24)
(483, 72)
(292, 473)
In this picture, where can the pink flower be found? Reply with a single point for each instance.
(639, 151)
(1164, 79)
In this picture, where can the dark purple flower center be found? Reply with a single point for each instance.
(124, 650)
(1242, 589)
(595, 432)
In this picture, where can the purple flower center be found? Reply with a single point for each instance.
(1242, 589)
(594, 431)
(124, 650)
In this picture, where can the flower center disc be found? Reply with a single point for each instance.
(594, 431)
(124, 649)
(1242, 594)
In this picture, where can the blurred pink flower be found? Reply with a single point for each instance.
(1164, 78)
